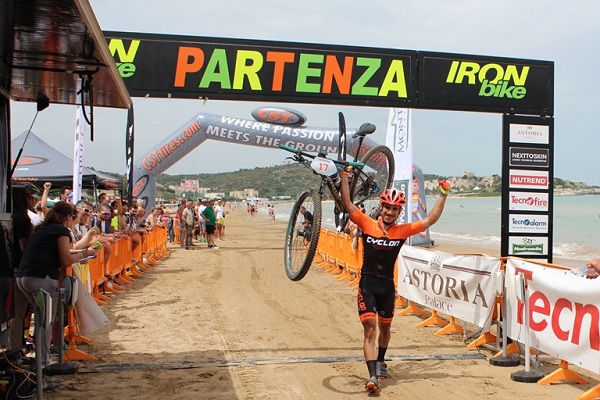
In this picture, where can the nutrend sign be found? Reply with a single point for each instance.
(236, 69)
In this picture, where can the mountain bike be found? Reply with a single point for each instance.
(372, 173)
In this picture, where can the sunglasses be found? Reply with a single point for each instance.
(74, 214)
(106, 213)
(85, 210)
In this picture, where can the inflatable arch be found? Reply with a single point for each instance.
(234, 130)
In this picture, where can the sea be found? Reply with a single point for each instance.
(477, 221)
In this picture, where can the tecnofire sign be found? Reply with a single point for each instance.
(255, 70)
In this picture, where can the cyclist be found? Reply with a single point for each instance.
(307, 224)
(382, 240)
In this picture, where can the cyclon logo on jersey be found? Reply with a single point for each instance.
(495, 80)
(383, 242)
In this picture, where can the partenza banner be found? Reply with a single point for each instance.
(237, 69)
(255, 70)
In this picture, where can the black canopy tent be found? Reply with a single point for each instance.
(41, 163)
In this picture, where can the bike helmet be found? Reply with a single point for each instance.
(393, 197)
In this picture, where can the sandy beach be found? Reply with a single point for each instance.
(228, 324)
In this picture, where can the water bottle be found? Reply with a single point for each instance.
(584, 271)
(335, 178)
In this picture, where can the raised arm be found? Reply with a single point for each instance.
(345, 192)
(436, 212)
(44, 200)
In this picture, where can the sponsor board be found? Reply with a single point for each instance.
(527, 246)
(522, 133)
(523, 179)
(527, 157)
(528, 223)
(528, 201)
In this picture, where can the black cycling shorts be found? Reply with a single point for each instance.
(376, 298)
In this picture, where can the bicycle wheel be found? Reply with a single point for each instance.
(300, 242)
(378, 175)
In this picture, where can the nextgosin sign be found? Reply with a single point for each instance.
(237, 69)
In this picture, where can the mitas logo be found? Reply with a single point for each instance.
(280, 116)
(30, 160)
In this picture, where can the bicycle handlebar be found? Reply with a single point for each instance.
(294, 150)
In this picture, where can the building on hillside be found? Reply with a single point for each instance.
(243, 194)
(188, 185)
(214, 195)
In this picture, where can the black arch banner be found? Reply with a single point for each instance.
(253, 70)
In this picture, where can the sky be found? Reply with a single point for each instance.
(445, 142)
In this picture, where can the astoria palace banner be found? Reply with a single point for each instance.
(190, 67)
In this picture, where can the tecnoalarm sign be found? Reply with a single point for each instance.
(237, 69)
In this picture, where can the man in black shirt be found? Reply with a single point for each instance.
(307, 223)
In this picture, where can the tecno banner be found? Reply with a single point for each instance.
(563, 312)
(255, 70)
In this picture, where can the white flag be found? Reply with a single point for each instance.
(80, 124)
(399, 140)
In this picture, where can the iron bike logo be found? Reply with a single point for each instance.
(280, 116)
(494, 80)
(126, 57)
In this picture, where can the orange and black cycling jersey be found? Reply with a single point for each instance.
(381, 250)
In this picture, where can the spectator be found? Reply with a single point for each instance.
(181, 224)
(46, 256)
(211, 220)
(307, 224)
(220, 214)
(188, 219)
(593, 268)
(82, 234)
(65, 192)
(22, 228)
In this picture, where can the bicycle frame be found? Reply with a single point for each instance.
(326, 181)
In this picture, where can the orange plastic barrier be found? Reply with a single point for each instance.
(124, 263)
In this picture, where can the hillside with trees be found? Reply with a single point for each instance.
(291, 179)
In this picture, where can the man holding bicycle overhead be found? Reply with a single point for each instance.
(382, 240)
